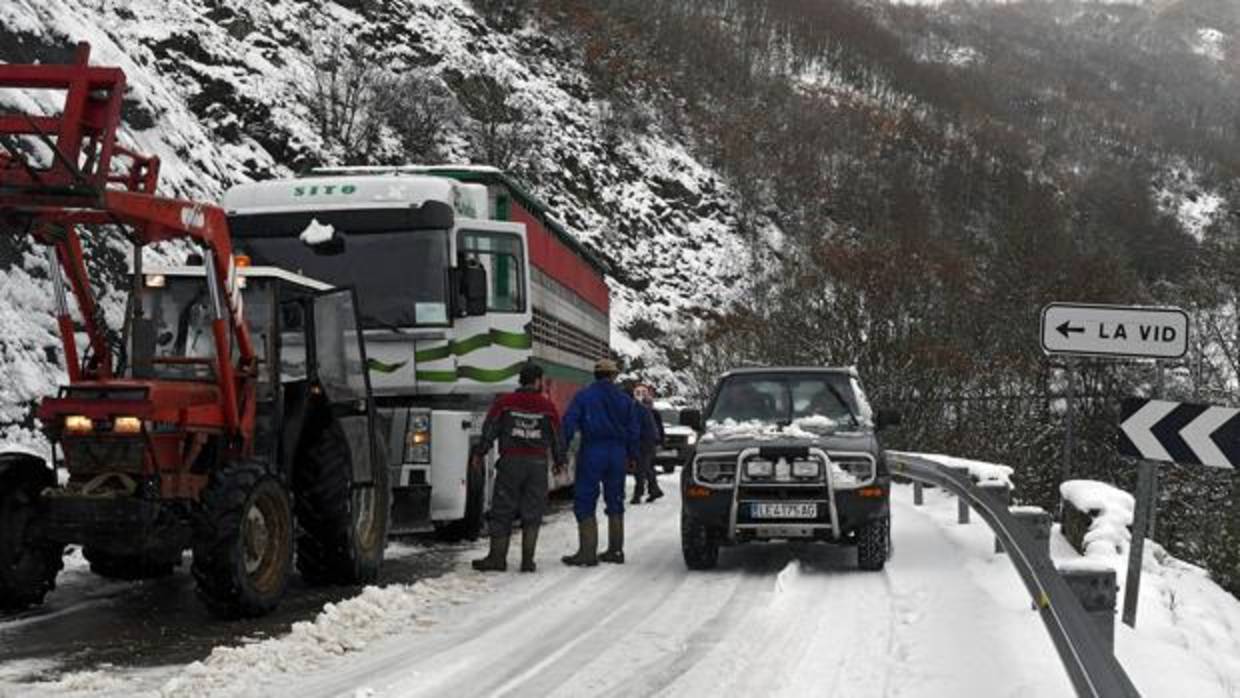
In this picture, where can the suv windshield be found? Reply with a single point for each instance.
(828, 399)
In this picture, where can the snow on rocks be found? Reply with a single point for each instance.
(341, 629)
(1111, 510)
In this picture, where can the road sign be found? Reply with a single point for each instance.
(1180, 432)
(1114, 330)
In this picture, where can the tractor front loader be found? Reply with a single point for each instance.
(230, 416)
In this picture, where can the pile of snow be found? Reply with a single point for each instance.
(1211, 43)
(340, 629)
(1111, 509)
(982, 473)
(1179, 193)
(317, 233)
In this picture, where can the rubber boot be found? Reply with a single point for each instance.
(529, 541)
(615, 541)
(497, 559)
(587, 545)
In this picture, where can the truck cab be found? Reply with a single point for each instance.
(786, 454)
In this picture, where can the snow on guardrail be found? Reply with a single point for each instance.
(1111, 511)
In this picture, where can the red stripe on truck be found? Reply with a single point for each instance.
(557, 260)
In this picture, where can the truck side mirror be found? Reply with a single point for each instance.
(432, 215)
(474, 289)
(691, 419)
(887, 418)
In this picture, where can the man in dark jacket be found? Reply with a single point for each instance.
(608, 422)
(526, 425)
(651, 439)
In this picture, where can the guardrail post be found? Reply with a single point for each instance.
(919, 497)
(1096, 590)
(962, 506)
(1000, 492)
(1037, 521)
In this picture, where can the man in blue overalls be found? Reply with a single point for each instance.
(608, 422)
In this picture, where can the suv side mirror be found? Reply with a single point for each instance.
(474, 289)
(691, 419)
(887, 418)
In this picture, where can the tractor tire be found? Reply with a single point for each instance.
(342, 529)
(130, 568)
(698, 543)
(873, 544)
(243, 545)
(28, 565)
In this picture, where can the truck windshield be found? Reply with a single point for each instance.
(808, 399)
(400, 276)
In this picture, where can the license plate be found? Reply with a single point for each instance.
(669, 454)
(784, 510)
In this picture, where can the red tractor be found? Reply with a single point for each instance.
(231, 415)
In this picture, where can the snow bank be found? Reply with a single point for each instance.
(981, 472)
(1111, 509)
(340, 629)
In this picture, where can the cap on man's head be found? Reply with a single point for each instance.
(606, 366)
(530, 373)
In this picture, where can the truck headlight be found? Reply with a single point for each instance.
(759, 468)
(418, 438)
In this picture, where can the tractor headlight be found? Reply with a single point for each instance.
(79, 424)
(156, 281)
(126, 425)
(759, 468)
(418, 438)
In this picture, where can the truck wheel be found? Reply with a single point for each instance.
(469, 527)
(873, 542)
(698, 543)
(130, 567)
(243, 547)
(28, 565)
(342, 528)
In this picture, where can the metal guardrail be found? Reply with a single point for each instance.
(1092, 668)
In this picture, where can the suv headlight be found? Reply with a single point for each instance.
(759, 468)
(715, 469)
(691, 438)
(806, 468)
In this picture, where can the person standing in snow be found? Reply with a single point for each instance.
(651, 438)
(527, 426)
(608, 422)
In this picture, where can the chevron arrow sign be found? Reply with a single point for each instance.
(1180, 432)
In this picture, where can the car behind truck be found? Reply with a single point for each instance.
(787, 454)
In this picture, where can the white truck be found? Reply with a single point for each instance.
(462, 276)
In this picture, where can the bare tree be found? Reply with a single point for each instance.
(418, 108)
(344, 93)
(497, 133)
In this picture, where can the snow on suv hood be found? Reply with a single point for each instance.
(821, 431)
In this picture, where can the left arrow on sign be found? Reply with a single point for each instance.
(1067, 330)
(1139, 429)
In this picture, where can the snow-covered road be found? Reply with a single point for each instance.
(774, 619)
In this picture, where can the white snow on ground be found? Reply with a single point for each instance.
(1111, 509)
(979, 471)
(1211, 43)
(1180, 193)
(948, 617)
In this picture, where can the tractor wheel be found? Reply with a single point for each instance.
(243, 547)
(698, 544)
(342, 528)
(131, 567)
(28, 565)
(873, 543)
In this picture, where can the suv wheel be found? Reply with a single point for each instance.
(699, 544)
(873, 542)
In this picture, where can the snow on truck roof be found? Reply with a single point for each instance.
(353, 192)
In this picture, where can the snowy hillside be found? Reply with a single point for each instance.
(216, 91)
